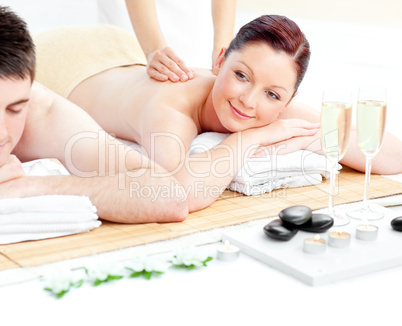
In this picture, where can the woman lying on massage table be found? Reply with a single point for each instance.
(248, 94)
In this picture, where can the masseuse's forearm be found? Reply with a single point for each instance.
(223, 17)
(124, 198)
(145, 24)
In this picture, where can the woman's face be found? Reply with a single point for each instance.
(253, 86)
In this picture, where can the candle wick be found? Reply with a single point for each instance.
(227, 244)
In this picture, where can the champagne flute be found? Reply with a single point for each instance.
(336, 120)
(371, 115)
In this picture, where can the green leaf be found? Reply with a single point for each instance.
(135, 274)
(206, 260)
(61, 294)
(98, 282)
(57, 295)
(158, 272)
(78, 284)
(147, 275)
(113, 277)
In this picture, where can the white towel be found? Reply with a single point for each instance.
(42, 217)
(44, 167)
(264, 174)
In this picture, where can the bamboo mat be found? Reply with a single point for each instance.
(230, 209)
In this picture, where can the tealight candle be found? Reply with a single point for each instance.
(366, 232)
(338, 239)
(228, 252)
(314, 245)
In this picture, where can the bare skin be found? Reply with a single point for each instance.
(36, 123)
(163, 63)
(249, 95)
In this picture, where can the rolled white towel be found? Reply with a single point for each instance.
(48, 203)
(41, 217)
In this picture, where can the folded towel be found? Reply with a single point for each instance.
(264, 174)
(44, 167)
(41, 217)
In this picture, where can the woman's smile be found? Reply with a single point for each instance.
(238, 114)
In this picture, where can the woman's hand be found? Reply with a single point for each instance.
(310, 143)
(11, 170)
(165, 65)
(287, 135)
(283, 129)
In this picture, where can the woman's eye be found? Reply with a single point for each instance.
(240, 75)
(272, 95)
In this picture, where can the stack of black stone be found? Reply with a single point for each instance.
(295, 218)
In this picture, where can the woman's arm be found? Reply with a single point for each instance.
(387, 161)
(167, 136)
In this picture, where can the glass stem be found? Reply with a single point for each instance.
(367, 184)
(332, 188)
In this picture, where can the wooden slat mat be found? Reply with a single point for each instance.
(230, 209)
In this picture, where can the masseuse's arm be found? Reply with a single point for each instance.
(223, 17)
(123, 185)
(387, 161)
(163, 62)
(205, 176)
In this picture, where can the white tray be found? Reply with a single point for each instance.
(335, 264)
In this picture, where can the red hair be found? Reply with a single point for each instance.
(280, 33)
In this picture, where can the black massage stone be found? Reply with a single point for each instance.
(317, 224)
(296, 215)
(278, 231)
(396, 223)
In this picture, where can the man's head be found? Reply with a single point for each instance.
(17, 50)
(17, 71)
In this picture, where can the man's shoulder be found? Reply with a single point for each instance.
(41, 98)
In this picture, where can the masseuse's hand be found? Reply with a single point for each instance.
(164, 64)
(11, 170)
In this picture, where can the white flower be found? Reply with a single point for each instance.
(58, 281)
(101, 270)
(189, 256)
(148, 264)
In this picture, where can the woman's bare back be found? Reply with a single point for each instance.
(122, 99)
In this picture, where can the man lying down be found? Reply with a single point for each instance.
(247, 96)
(36, 123)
